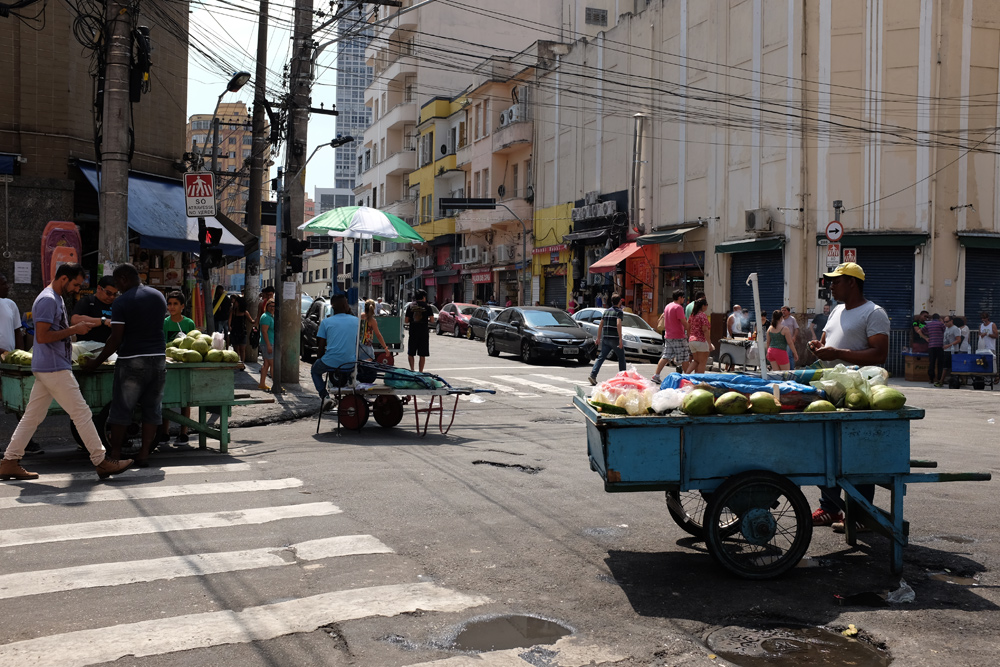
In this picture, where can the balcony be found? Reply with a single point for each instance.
(401, 66)
(405, 207)
(482, 220)
(402, 114)
(379, 261)
(512, 137)
(464, 154)
(402, 162)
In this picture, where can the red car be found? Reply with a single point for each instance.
(454, 318)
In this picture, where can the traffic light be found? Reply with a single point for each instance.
(209, 239)
(295, 249)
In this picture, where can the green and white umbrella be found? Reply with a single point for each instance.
(362, 222)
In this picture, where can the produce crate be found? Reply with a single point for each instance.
(917, 366)
(972, 363)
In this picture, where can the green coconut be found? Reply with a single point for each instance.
(192, 357)
(214, 356)
(194, 333)
(762, 403)
(821, 406)
(698, 402)
(856, 400)
(887, 398)
(230, 357)
(201, 346)
(731, 403)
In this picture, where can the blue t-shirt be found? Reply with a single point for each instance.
(57, 356)
(341, 334)
(142, 310)
(266, 320)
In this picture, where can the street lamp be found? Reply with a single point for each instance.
(238, 80)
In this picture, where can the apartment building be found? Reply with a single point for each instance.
(720, 139)
(428, 59)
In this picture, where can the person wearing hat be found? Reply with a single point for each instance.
(856, 333)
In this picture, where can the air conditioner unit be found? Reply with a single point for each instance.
(501, 254)
(577, 214)
(503, 119)
(472, 254)
(609, 208)
(514, 114)
(423, 262)
(758, 220)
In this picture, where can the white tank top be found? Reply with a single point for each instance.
(985, 342)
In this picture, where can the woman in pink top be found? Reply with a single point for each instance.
(699, 331)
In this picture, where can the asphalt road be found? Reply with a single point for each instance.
(374, 548)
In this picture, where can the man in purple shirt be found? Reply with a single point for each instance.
(934, 331)
(51, 364)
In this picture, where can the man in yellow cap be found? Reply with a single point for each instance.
(856, 333)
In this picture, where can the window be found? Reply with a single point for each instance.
(486, 182)
(246, 153)
(487, 117)
(232, 141)
(310, 278)
(514, 181)
(248, 140)
(478, 178)
(596, 16)
(477, 119)
(324, 274)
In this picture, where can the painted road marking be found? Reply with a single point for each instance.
(141, 472)
(138, 493)
(548, 388)
(183, 633)
(567, 652)
(579, 383)
(502, 388)
(22, 584)
(161, 524)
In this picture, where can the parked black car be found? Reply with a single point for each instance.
(318, 310)
(538, 331)
(481, 316)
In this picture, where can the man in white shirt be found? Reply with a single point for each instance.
(787, 320)
(734, 323)
(952, 342)
(11, 333)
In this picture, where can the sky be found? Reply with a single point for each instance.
(234, 39)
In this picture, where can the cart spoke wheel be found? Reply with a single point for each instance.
(388, 411)
(687, 509)
(352, 412)
(758, 524)
(726, 362)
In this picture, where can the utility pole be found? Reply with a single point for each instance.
(279, 270)
(251, 274)
(114, 150)
(300, 84)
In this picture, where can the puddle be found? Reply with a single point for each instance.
(950, 578)
(498, 633)
(531, 470)
(791, 646)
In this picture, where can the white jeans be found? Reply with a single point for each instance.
(62, 387)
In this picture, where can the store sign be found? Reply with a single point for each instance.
(549, 248)
(832, 255)
(376, 278)
(553, 270)
(554, 258)
(430, 281)
(482, 277)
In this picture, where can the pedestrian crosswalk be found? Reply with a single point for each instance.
(92, 548)
(530, 385)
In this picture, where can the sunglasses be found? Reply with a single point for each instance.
(109, 292)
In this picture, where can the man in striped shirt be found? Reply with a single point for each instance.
(934, 330)
(609, 337)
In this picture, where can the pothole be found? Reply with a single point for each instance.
(498, 633)
(794, 646)
(531, 470)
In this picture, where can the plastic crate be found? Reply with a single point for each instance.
(972, 363)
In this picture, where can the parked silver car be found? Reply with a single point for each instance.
(641, 340)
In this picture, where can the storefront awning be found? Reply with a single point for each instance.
(156, 212)
(751, 245)
(672, 236)
(619, 254)
(589, 235)
(988, 240)
(874, 239)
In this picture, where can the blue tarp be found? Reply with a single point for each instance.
(156, 212)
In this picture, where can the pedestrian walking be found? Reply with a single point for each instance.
(609, 337)
(689, 309)
(699, 332)
(934, 330)
(266, 343)
(419, 317)
(857, 333)
(779, 343)
(51, 365)
(239, 321)
(676, 349)
(140, 370)
(12, 338)
(819, 322)
(788, 320)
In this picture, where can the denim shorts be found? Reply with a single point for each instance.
(138, 382)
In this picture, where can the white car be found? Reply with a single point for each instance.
(640, 339)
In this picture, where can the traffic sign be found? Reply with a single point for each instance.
(832, 255)
(851, 255)
(834, 231)
(199, 194)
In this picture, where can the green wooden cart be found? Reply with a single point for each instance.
(207, 386)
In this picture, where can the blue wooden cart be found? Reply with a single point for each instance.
(744, 474)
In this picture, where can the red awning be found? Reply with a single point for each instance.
(609, 261)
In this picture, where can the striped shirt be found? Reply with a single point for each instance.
(609, 324)
(934, 330)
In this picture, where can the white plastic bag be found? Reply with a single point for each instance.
(90, 347)
(218, 341)
(901, 595)
(874, 375)
(666, 400)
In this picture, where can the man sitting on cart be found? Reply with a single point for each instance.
(336, 347)
(856, 333)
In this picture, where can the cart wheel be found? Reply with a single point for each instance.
(388, 411)
(774, 524)
(687, 509)
(726, 361)
(352, 412)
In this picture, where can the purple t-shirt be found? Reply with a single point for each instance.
(934, 330)
(57, 356)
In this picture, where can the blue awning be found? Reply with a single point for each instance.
(156, 213)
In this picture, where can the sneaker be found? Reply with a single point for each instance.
(823, 518)
(33, 449)
(328, 404)
(181, 438)
(656, 379)
(162, 438)
(840, 527)
(13, 470)
(109, 467)
(592, 380)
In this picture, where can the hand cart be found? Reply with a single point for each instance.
(756, 521)
(207, 386)
(736, 352)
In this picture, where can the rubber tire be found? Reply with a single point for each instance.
(684, 516)
(388, 411)
(491, 347)
(469, 334)
(305, 353)
(726, 362)
(352, 412)
(439, 331)
(583, 360)
(457, 331)
(720, 540)
(526, 355)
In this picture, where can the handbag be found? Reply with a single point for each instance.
(660, 324)
(254, 339)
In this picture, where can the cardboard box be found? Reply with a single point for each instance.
(917, 366)
(156, 276)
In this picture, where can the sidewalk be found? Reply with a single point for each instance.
(295, 402)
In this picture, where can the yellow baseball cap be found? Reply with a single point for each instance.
(847, 269)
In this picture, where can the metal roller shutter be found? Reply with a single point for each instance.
(770, 269)
(889, 281)
(555, 292)
(982, 284)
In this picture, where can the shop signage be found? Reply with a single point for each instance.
(430, 281)
(549, 248)
(832, 255)
(554, 258)
(482, 277)
(376, 277)
(553, 270)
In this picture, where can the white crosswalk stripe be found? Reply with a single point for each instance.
(161, 524)
(581, 383)
(540, 386)
(181, 633)
(501, 388)
(139, 493)
(145, 472)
